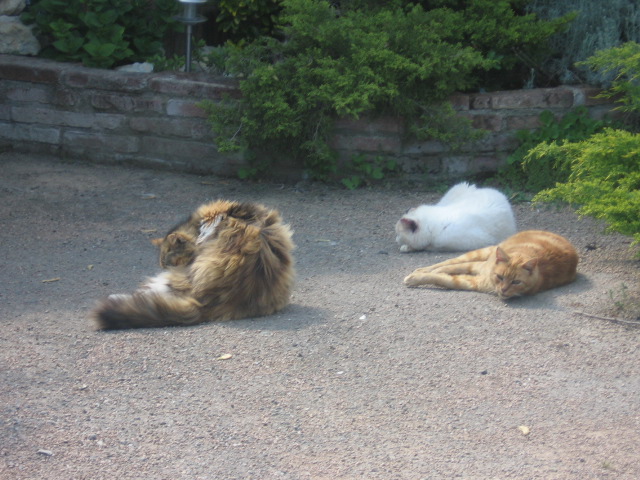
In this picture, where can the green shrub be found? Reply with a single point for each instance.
(242, 21)
(366, 171)
(101, 33)
(624, 63)
(597, 26)
(538, 173)
(604, 179)
(397, 61)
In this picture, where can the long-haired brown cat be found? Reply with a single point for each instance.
(235, 261)
(524, 264)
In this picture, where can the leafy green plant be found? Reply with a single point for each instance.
(175, 63)
(604, 179)
(400, 61)
(101, 33)
(366, 171)
(243, 21)
(537, 173)
(624, 62)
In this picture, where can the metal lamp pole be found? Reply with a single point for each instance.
(190, 18)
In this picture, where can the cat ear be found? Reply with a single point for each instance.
(501, 255)
(530, 265)
(157, 241)
(175, 239)
(409, 224)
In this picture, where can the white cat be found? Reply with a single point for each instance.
(466, 218)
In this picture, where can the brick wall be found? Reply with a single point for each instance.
(153, 120)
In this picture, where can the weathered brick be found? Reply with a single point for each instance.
(193, 89)
(184, 108)
(521, 99)
(488, 163)
(125, 103)
(101, 141)
(178, 127)
(29, 69)
(105, 79)
(365, 143)
(31, 95)
(428, 147)
(559, 98)
(177, 148)
(48, 116)
(5, 112)
(31, 133)
(522, 122)
(370, 125)
(493, 123)
(460, 102)
(456, 166)
(65, 98)
(480, 101)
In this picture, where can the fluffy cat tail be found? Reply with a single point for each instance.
(146, 309)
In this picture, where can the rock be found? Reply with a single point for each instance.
(12, 7)
(144, 67)
(16, 38)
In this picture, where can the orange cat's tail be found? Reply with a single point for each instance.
(146, 309)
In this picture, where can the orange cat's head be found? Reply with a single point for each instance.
(513, 277)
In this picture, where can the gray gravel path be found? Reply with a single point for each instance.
(360, 377)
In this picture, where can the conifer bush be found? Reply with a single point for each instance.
(604, 178)
(400, 59)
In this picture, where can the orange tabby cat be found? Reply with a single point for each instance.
(240, 265)
(524, 264)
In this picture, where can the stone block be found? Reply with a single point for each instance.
(83, 141)
(32, 95)
(17, 38)
(184, 87)
(493, 123)
(184, 108)
(30, 133)
(173, 148)
(173, 127)
(48, 116)
(370, 126)
(100, 79)
(27, 69)
(522, 122)
(126, 103)
(12, 7)
(365, 143)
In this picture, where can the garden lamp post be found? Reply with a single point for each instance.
(190, 18)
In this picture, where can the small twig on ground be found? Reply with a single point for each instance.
(610, 319)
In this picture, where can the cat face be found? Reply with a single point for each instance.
(176, 249)
(179, 247)
(407, 229)
(513, 277)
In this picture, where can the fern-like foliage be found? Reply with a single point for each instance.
(328, 63)
(604, 179)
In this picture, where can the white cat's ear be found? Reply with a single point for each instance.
(409, 224)
(501, 255)
(530, 265)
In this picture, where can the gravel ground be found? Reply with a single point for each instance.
(360, 377)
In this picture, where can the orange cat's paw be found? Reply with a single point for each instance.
(412, 280)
